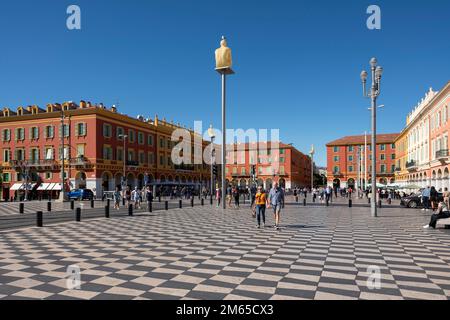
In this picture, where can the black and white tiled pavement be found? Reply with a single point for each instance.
(202, 253)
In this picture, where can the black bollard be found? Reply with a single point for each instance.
(304, 202)
(368, 200)
(296, 198)
(130, 210)
(327, 202)
(123, 201)
(49, 206)
(107, 211)
(202, 201)
(379, 203)
(150, 206)
(72, 204)
(350, 203)
(39, 219)
(78, 215)
(211, 201)
(166, 205)
(108, 202)
(92, 203)
(49, 198)
(21, 207)
(192, 202)
(180, 204)
(159, 198)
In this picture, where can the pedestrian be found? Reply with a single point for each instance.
(229, 195)
(218, 196)
(127, 195)
(446, 195)
(117, 197)
(149, 197)
(442, 213)
(434, 198)
(260, 201)
(426, 198)
(136, 197)
(276, 200)
(236, 197)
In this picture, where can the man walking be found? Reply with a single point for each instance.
(426, 198)
(276, 200)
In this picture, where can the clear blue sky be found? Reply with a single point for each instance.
(297, 62)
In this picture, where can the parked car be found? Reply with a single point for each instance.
(81, 194)
(415, 200)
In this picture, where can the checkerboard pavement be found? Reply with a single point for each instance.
(203, 253)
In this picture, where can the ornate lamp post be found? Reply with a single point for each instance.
(223, 67)
(373, 94)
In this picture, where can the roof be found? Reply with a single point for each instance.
(358, 140)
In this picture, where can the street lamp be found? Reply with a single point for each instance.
(62, 193)
(124, 137)
(212, 136)
(223, 67)
(311, 152)
(373, 94)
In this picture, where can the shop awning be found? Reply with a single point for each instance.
(43, 186)
(16, 186)
(55, 187)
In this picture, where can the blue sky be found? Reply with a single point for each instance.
(297, 63)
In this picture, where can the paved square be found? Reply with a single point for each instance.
(201, 253)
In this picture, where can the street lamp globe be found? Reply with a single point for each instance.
(364, 76)
(378, 72)
(373, 62)
(211, 132)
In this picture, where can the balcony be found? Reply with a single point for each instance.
(411, 165)
(397, 169)
(337, 174)
(442, 155)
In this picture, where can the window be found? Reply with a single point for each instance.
(66, 153)
(150, 140)
(34, 133)
(20, 134)
(382, 156)
(119, 154)
(393, 168)
(6, 155)
(49, 153)
(81, 129)
(48, 175)
(350, 168)
(141, 157)
(392, 156)
(120, 133)
(336, 169)
(161, 142)
(350, 148)
(282, 170)
(107, 153)
(393, 146)
(161, 160)
(151, 158)
(131, 136)
(335, 149)
(281, 159)
(350, 158)
(140, 138)
(243, 172)
(80, 150)
(370, 157)
(6, 177)
(281, 151)
(50, 132)
(130, 155)
(34, 155)
(20, 154)
(107, 130)
(6, 135)
(383, 168)
(234, 170)
(260, 170)
(382, 147)
(336, 158)
(66, 131)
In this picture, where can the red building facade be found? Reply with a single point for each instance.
(95, 138)
(343, 165)
(274, 162)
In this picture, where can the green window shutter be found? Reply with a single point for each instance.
(84, 129)
(60, 131)
(77, 133)
(30, 130)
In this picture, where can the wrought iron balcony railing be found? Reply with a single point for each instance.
(442, 153)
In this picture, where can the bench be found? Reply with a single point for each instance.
(443, 223)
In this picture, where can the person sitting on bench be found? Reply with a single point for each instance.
(442, 213)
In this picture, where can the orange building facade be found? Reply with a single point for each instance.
(274, 162)
(98, 141)
(345, 158)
